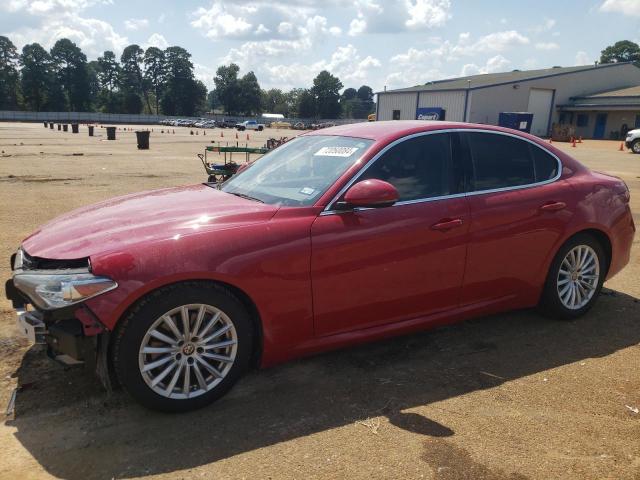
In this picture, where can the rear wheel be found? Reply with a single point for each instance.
(183, 347)
(575, 278)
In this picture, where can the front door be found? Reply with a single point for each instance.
(601, 123)
(375, 266)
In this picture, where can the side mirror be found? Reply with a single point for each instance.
(370, 194)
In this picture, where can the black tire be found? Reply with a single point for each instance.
(550, 301)
(132, 329)
(260, 129)
(635, 146)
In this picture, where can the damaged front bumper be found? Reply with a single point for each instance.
(72, 334)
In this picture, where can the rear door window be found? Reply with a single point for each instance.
(499, 161)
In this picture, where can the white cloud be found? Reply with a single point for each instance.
(547, 46)
(93, 36)
(42, 7)
(583, 58)
(136, 23)
(427, 13)
(261, 30)
(217, 21)
(493, 42)
(357, 26)
(545, 26)
(156, 40)
(627, 7)
(493, 65)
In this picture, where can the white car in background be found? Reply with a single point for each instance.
(250, 125)
(632, 142)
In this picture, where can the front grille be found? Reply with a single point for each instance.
(36, 263)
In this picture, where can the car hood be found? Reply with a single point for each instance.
(143, 217)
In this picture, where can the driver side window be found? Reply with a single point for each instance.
(419, 168)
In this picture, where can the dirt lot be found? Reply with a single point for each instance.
(513, 396)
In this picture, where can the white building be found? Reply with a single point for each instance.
(551, 95)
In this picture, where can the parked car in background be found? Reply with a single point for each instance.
(632, 141)
(337, 237)
(280, 124)
(249, 125)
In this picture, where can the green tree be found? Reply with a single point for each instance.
(184, 95)
(349, 94)
(70, 65)
(250, 94)
(35, 76)
(306, 106)
(275, 101)
(622, 51)
(131, 79)
(155, 73)
(109, 79)
(212, 100)
(326, 91)
(8, 75)
(228, 87)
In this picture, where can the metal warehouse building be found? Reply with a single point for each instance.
(598, 100)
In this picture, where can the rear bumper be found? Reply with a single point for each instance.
(621, 241)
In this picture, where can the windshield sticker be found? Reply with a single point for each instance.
(336, 151)
(307, 191)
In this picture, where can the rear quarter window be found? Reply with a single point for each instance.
(546, 166)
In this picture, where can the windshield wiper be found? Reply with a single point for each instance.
(248, 197)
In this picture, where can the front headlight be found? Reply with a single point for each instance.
(58, 290)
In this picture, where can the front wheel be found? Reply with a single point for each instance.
(183, 346)
(575, 278)
(260, 129)
(635, 146)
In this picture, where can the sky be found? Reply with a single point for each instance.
(380, 43)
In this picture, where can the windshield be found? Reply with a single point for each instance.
(298, 172)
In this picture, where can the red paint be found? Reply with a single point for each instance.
(371, 193)
(327, 281)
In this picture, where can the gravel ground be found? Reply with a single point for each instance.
(511, 396)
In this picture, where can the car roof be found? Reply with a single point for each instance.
(386, 131)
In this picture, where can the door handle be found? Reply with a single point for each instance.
(447, 224)
(552, 206)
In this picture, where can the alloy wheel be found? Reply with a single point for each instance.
(188, 351)
(578, 277)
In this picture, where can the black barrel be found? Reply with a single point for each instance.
(59, 127)
(143, 140)
(51, 126)
(90, 127)
(45, 124)
(65, 128)
(111, 133)
(74, 127)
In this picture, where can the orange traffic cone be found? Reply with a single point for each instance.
(204, 132)
(247, 137)
(621, 149)
(221, 134)
(573, 143)
(580, 139)
(550, 140)
(236, 135)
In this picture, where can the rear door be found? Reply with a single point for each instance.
(519, 210)
(376, 266)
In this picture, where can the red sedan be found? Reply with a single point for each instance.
(340, 236)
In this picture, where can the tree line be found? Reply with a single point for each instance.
(159, 82)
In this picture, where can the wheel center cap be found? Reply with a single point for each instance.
(574, 276)
(188, 349)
